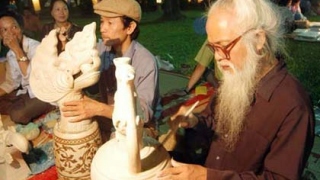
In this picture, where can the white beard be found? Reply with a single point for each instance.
(235, 96)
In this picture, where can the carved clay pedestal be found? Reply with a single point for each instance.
(111, 161)
(60, 78)
(74, 152)
(129, 156)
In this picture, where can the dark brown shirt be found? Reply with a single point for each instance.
(278, 135)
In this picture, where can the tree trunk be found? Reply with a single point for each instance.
(171, 10)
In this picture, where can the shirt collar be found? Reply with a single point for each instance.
(129, 53)
(131, 50)
(271, 80)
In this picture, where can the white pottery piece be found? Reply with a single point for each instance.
(129, 156)
(60, 78)
(11, 138)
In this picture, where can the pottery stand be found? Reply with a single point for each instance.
(60, 78)
(75, 144)
(74, 152)
(130, 155)
(111, 161)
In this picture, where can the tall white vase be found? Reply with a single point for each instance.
(60, 78)
(129, 156)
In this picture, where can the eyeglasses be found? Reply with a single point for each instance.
(225, 50)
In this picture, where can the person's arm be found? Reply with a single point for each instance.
(86, 108)
(203, 59)
(11, 81)
(2, 92)
(288, 152)
(12, 42)
(146, 94)
(146, 82)
(196, 75)
(23, 61)
(297, 128)
(182, 171)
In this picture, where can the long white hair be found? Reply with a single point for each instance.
(257, 14)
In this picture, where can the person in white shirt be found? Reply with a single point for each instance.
(16, 97)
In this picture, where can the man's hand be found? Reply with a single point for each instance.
(183, 118)
(11, 41)
(181, 171)
(81, 109)
(2, 92)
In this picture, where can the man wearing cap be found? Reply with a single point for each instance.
(119, 27)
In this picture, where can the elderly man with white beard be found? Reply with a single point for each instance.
(262, 118)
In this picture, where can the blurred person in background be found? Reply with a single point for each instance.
(32, 24)
(16, 97)
(59, 10)
(204, 59)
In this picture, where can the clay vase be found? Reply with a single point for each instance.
(60, 78)
(74, 148)
(130, 155)
(74, 151)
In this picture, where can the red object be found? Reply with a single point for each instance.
(200, 97)
(168, 111)
(49, 174)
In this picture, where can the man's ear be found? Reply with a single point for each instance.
(132, 26)
(261, 39)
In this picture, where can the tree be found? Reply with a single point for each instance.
(171, 10)
(86, 7)
(148, 5)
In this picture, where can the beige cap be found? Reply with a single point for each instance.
(115, 8)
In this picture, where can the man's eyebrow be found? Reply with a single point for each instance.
(220, 42)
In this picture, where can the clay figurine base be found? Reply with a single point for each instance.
(74, 152)
(112, 161)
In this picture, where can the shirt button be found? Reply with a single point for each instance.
(218, 157)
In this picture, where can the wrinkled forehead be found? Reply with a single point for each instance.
(221, 25)
(7, 21)
(223, 17)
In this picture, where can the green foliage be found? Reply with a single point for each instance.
(304, 63)
(175, 39)
(148, 5)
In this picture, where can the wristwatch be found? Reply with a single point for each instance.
(23, 58)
